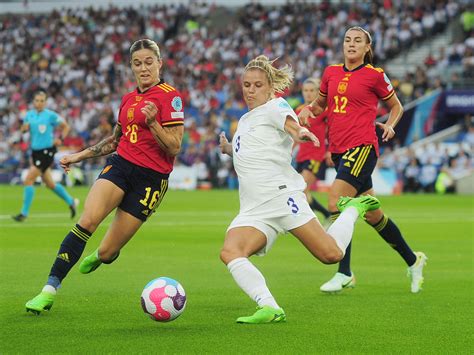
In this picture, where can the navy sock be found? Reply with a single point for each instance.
(392, 235)
(69, 253)
(315, 205)
(345, 263)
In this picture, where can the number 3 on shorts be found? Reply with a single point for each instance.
(291, 202)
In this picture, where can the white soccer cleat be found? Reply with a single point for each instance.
(415, 272)
(338, 282)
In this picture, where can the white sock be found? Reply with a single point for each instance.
(343, 227)
(49, 289)
(251, 281)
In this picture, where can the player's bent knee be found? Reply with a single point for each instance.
(227, 255)
(331, 256)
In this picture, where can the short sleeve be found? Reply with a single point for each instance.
(383, 87)
(55, 119)
(280, 110)
(172, 111)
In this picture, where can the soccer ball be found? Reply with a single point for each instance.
(163, 299)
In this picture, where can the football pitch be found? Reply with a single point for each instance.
(101, 313)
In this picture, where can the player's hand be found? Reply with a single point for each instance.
(328, 159)
(224, 145)
(66, 162)
(304, 115)
(149, 110)
(388, 131)
(306, 136)
(58, 142)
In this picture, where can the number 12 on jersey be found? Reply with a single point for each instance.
(341, 103)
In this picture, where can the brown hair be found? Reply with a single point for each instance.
(369, 56)
(145, 44)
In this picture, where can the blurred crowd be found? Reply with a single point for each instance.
(433, 167)
(80, 57)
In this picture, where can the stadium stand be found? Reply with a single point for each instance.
(80, 57)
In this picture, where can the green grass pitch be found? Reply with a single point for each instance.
(101, 313)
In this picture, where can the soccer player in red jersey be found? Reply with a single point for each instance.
(310, 160)
(134, 181)
(351, 91)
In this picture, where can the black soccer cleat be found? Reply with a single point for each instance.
(19, 217)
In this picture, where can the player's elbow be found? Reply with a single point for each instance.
(174, 151)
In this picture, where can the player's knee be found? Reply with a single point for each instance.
(227, 255)
(373, 217)
(88, 223)
(331, 256)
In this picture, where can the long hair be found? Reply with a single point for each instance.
(369, 56)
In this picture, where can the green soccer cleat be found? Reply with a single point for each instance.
(42, 302)
(265, 314)
(90, 263)
(362, 204)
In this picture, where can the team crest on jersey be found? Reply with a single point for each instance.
(342, 87)
(177, 103)
(138, 98)
(130, 114)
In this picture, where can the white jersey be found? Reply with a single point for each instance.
(262, 155)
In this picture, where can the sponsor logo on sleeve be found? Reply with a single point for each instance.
(387, 80)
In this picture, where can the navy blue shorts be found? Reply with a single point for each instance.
(317, 168)
(144, 188)
(43, 158)
(355, 166)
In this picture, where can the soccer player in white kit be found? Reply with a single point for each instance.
(271, 191)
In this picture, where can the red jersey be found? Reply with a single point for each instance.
(317, 126)
(352, 98)
(137, 144)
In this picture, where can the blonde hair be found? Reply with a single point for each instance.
(316, 82)
(279, 78)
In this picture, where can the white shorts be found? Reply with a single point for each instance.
(283, 213)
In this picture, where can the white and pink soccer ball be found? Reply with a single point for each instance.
(163, 299)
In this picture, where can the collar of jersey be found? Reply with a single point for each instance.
(353, 70)
(151, 87)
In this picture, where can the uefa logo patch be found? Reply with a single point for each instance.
(177, 103)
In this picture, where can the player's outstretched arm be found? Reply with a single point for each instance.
(104, 147)
(298, 133)
(314, 109)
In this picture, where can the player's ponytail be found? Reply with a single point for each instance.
(279, 78)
